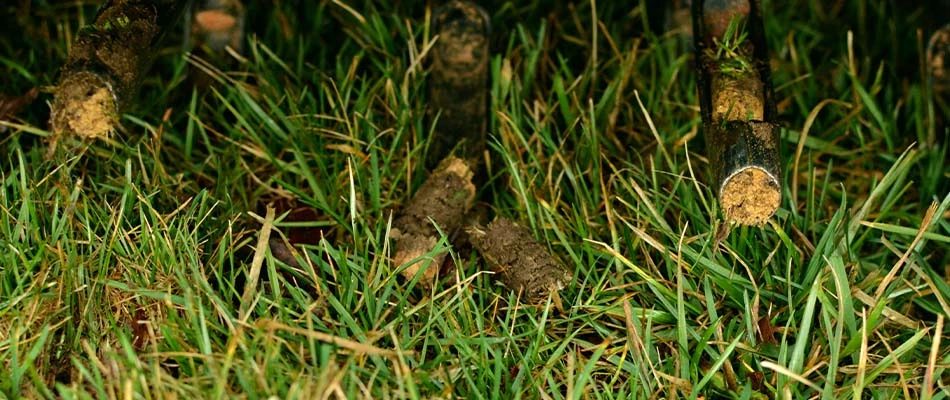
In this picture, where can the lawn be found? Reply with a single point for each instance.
(139, 266)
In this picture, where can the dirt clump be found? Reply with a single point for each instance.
(522, 263)
(440, 204)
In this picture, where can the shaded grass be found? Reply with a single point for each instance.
(133, 266)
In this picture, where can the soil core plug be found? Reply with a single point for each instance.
(106, 65)
(522, 264)
(440, 204)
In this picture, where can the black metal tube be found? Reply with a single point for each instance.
(738, 108)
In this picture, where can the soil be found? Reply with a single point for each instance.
(522, 264)
(740, 98)
(745, 161)
(750, 196)
(440, 204)
(84, 106)
(106, 65)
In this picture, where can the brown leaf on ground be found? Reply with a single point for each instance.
(10, 106)
(286, 250)
(767, 331)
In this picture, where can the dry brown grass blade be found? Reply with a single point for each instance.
(352, 345)
(932, 360)
(260, 252)
(924, 224)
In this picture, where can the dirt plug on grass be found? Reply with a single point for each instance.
(459, 88)
(738, 108)
(106, 65)
(443, 203)
(440, 204)
(216, 25)
(522, 264)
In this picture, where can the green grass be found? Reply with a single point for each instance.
(135, 267)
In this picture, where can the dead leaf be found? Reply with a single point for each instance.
(13, 105)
